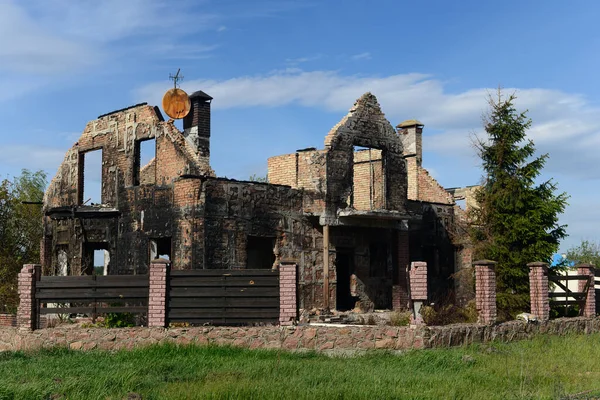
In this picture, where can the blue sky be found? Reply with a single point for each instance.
(282, 73)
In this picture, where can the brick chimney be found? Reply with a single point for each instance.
(196, 125)
(411, 134)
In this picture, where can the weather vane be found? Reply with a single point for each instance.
(176, 102)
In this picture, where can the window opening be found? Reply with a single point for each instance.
(96, 259)
(259, 252)
(145, 162)
(160, 248)
(101, 261)
(90, 177)
(368, 181)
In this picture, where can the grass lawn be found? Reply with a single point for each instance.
(546, 367)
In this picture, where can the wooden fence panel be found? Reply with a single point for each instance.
(223, 297)
(91, 294)
(570, 297)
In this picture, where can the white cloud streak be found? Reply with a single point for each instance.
(362, 56)
(565, 125)
(45, 41)
(37, 157)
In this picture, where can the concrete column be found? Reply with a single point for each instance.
(589, 309)
(538, 290)
(400, 289)
(418, 288)
(485, 291)
(157, 293)
(288, 302)
(27, 310)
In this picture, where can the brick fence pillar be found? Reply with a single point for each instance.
(157, 293)
(418, 289)
(26, 312)
(589, 309)
(288, 303)
(400, 287)
(485, 291)
(538, 290)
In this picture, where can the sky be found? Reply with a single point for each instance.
(283, 72)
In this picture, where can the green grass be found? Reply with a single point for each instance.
(546, 367)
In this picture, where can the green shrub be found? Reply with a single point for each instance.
(445, 314)
(398, 318)
(119, 320)
(557, 311)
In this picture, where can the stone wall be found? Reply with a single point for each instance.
(318, 338)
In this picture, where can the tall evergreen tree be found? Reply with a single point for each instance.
(517, 219)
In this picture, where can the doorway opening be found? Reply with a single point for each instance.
(344, 268)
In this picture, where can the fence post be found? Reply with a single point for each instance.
(157, 293)
(589, 309)
(288, 303)
(538, 290)
(418, 289)
(27, 318)
(485, 291)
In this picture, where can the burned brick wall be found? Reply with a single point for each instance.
(239, 212)
(364, 126)
(361, 169)
(255, 225)
(432, 239)
(305, 169)
(141, 206)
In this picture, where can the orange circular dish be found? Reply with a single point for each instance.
(176, 103)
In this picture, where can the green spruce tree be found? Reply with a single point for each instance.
(517, 219)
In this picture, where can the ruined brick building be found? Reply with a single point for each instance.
(353, 214)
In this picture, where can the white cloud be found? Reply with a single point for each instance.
(112, 20)
(293, 62)
(362, 56)
(565, 125)
(37, 157)
(45, 42)
(25, 47)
